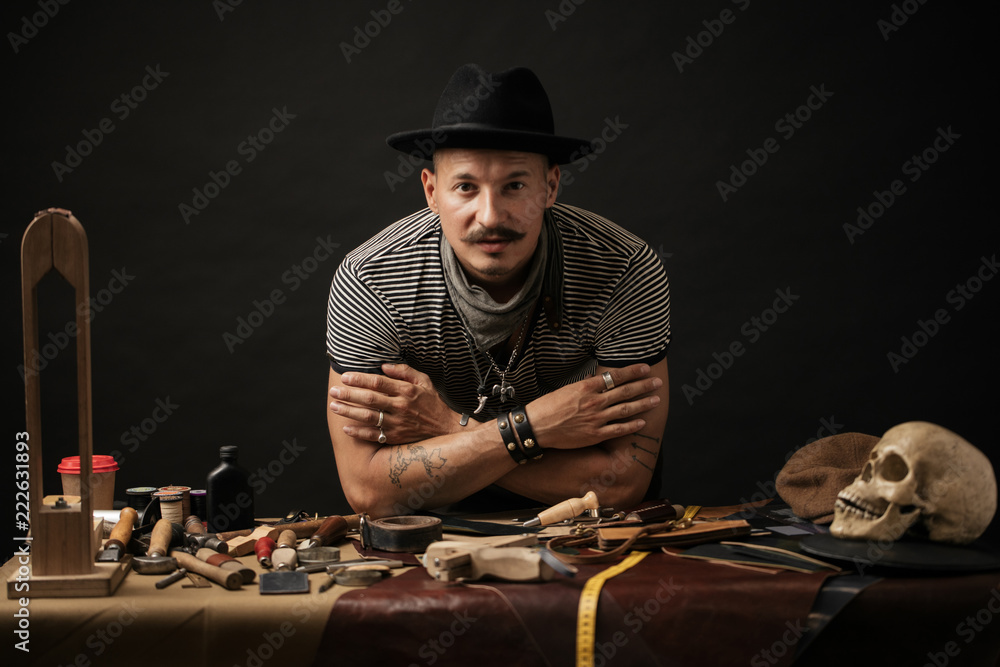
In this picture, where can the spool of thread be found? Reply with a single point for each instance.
(185, 492)
(139, 497)
(199, 503)
(171, 506)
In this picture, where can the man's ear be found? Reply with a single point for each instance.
(552, 182)
(429, 180)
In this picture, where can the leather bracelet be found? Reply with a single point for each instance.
(509, 441)
(519, 416)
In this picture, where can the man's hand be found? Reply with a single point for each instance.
(587, 412)
(411, 408)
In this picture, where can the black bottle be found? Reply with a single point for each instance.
(229, 496)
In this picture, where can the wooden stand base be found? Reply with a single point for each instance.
(102, 583)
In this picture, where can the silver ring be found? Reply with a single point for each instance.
(381, 437)
(608, 382)
(381, 416)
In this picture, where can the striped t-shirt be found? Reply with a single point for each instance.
(389, 303)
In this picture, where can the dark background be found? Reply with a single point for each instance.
(821, 367)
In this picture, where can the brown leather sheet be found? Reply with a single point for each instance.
(665, 611)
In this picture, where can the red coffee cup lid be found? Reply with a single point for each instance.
(100, 462)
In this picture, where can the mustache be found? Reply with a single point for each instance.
(502, 233)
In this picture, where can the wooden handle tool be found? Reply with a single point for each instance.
(228, 579)
(159, 541)
(565, 510)
(263, 548)
(121, 534)
(332, 529)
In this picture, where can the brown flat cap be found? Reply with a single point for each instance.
(815, 474)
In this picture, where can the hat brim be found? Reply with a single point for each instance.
(423, 143)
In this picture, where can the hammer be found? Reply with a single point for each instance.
(195, 537)
(156, 560)
(114, 548)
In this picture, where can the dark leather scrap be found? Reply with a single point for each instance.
(664, 611)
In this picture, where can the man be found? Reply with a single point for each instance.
(496, 340)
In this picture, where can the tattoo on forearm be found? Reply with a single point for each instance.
(635, 445)
(636, 459)
(401, 461)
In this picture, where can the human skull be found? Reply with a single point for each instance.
(921, 478)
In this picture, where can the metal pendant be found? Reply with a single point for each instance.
(504, 390)
(482, 404)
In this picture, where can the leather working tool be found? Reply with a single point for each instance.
(565, 510)
(195, 537)
(227, 562)
(332, 568)
(228, 579)
(63, 539)
(114, 548)
(284, 579)
(263, 549)
(510, 561)
(171, 578)
(156, 560)
(318, 555)
(332, 529)
(399, 534)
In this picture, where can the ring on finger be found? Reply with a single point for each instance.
(381, 416)
(608, 382)
(381, 437)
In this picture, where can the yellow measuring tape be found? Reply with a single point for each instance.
(586, 625)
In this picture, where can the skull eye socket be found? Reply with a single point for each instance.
(893, 468)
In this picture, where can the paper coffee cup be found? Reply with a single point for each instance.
(102, 488)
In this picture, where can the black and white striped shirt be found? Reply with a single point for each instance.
(389, 303)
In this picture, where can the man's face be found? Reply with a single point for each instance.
(491, 204)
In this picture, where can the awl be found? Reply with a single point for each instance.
(114, 548)
(332, 529)
(565, 510)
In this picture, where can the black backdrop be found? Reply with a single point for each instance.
(161, 97)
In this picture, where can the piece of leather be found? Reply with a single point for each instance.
(400, 534)
(654, 613)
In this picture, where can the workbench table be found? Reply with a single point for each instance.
(663, 611)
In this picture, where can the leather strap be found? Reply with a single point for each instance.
(409, 534)
(831, 599)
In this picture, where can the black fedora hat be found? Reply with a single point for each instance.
(479, 109)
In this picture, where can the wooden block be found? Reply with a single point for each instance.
(103, 582)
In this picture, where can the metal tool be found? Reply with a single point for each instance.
(156, 560)
(565, 510)
(169, 579)
(332, 529)
(284, 579)
(114, 548)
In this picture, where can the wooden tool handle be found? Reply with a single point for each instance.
(229, 579)
(159, 542)
(284, 556)
(194, 526)
(332, 529)
(263, 548)
(287, 538)
(568, 509)
(122, 532)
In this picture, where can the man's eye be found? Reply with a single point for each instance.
(464, 187)
(516, 185)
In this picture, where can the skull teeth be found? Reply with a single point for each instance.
(852, 504)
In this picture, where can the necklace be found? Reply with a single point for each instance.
(504, 390)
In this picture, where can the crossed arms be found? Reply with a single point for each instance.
(593, 439)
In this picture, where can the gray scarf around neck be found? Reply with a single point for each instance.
(488, 322)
